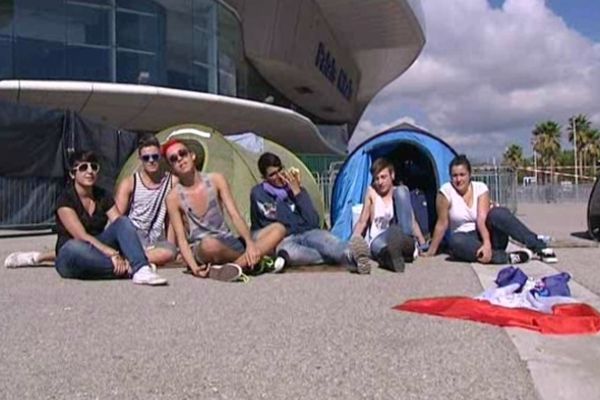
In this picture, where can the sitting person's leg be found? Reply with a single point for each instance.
(403, 209)
(502, 224)
(391, 248)
(161, 253)
(28, 258)
(121, 234)
(294, 252)
(330, 247)
(464, 246)
(80, 260)
(354, 255)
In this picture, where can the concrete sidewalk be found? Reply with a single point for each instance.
(316, 335)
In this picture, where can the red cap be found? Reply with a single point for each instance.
(169, 143)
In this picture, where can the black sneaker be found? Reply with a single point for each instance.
(392, 259)
(548, 255)
(519, 257)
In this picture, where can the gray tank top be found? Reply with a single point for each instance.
(211, 222)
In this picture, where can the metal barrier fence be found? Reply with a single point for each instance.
(555, 193)
(502, 184)
(28, 203)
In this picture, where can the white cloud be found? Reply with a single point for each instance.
(487, 76)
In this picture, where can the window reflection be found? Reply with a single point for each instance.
(186, 44)
(88, 25)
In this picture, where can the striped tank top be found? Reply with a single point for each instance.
(147, 209)
(211, 222)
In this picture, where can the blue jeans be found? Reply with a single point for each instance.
(403, 209)
(313, 247)
(405, 242)
(78, 259)
(502, 225)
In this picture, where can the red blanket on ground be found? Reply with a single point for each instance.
(565, 318)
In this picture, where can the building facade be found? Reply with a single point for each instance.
(299, 72)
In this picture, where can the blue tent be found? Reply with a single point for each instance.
(420, 159)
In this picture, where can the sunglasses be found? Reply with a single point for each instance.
(87, 166)
(173, 158)
(274, 173)
(150, 157)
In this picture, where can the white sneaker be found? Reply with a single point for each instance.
(145, 276)
(548, 255)
(22, 259)
(519, 256)
(278, 265)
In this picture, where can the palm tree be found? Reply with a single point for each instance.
(513, 156)
(546, 142)
(590, 150)
(582, 125)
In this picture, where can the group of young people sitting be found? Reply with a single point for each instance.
(156, 217)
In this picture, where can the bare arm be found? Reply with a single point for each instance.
(417, 231)
(113, 213)
(73, 225)
(365, 215)
(180, 235)
(123, 195)
(227, 199)
(251, 254)
(484, 254)
(442, 207)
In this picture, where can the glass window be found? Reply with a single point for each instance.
(40, 19)
(147, 6)
(88, 25)
(135, 67)
(230, 52)
(88, 63)
(204, 47)
(7, 10)
(205, 14)
(94, 2)
(139, 32)
(6, 49)
(227, 84)
(39, 59)
(204, 78)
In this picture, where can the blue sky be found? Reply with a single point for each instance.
(492, 69)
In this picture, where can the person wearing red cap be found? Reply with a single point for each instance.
(208, 247)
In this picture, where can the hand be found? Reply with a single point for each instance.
(428, 253)
(292, 180)
(200, 272)
(484, 254)
(120, 265)
(252, 255)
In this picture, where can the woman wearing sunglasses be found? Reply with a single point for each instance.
(86, 248)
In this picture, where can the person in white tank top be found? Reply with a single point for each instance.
(387, 219)
(479, 233)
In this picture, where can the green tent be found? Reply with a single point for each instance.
(237, 164)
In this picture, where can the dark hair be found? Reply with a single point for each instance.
(147, 140)
(460, 159)
(268, 160)
(380, 164)
(81, 156)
